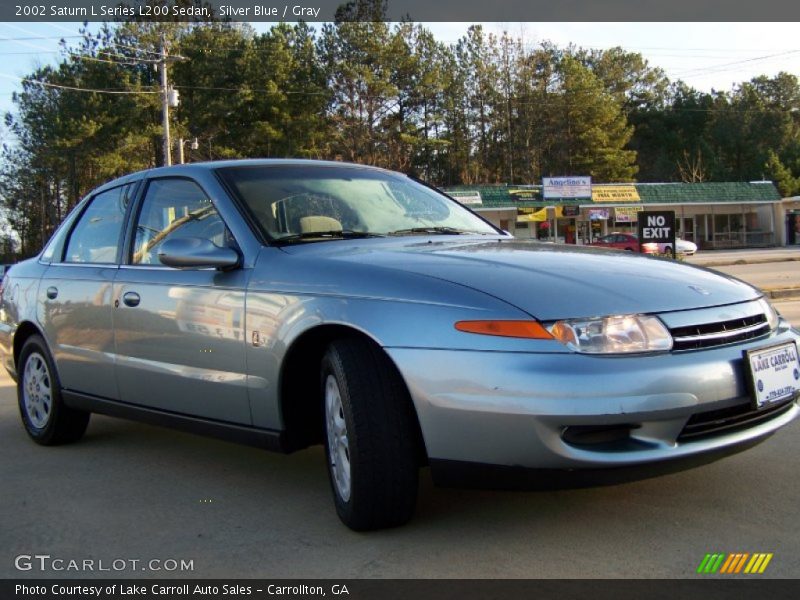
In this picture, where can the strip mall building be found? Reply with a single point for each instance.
(713, 215)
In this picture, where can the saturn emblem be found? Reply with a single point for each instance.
(700, 290)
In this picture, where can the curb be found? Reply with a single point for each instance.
(782, 293)
(742, 261)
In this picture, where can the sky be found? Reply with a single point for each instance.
(705, 55)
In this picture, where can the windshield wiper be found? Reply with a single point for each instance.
(435, 231)
(335, 234)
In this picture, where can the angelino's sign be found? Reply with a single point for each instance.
(567, 187)
(657, 226)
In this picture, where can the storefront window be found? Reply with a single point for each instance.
(736, 225)
(793, 228)
(796, 228)
(686, 228)
(721, 226)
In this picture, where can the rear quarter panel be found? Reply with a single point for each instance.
(18, 306)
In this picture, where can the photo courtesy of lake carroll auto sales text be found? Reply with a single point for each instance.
(179, 590)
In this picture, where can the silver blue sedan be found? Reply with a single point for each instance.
(290, 303)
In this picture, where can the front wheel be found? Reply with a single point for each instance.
(371, 437)
(45, 416)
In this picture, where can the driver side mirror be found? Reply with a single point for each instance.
(196, 253)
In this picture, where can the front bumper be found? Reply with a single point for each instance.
(522, 409)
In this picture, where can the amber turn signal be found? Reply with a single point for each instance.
(518, 329)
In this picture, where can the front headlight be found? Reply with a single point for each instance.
(770, 313)
(623, 334)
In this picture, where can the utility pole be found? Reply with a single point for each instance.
(165, 102)
(169, 98)
(193, 144)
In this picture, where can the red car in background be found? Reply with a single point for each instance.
(625, 241)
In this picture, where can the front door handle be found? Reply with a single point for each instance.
(52, 292)
(131, 299)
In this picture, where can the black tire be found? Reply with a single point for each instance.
(45, 416)
(668, 250)
(382, 446)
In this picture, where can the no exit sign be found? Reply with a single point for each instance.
(657, 226)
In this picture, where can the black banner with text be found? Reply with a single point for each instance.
(417, 10)
(406, 589)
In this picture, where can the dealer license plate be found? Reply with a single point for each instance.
(774, 373)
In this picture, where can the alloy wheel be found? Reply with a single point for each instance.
(37, 391)
(338, 444)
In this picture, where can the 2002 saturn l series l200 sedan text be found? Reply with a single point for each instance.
(289, 303)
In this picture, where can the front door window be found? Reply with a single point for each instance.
(175, 208)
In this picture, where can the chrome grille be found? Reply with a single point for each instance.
(710, 335)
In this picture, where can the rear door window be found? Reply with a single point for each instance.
(95, 238)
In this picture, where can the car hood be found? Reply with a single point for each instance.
(545, 280)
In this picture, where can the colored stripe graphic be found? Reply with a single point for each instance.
(728, 563)
(765, 563)
(741, 562)
(711, 563)
(734, 563)
(703, 563)
(759, 563)
(754, 564)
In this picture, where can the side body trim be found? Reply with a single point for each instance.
(267, 439)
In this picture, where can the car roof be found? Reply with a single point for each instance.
(195, 167)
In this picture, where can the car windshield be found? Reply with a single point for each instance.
(313, 203)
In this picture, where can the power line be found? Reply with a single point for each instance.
(723, 66)
(525, 44)
(65, 37)
(61, 27)
(28, 53)
(74, 54)
(94, 91)
(125, 60)
(79, 89)
(89, 90)
(23, 39)
(703, 49)
(108, 44)
(248, 89)
(135, 48)
(128, 62)
(181, 87)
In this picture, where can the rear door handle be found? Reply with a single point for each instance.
(52, 292)
(131, 299)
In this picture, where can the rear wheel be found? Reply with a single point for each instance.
(45, 416)
(371, 435)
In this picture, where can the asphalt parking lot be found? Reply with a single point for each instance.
(137, 493)
(131, 492)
